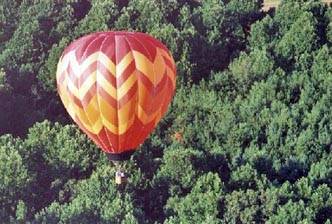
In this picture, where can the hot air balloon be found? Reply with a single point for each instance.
(116, 86)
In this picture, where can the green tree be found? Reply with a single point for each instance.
(14, 177)
(201, 205)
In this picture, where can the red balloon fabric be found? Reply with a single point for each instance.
(116, 86)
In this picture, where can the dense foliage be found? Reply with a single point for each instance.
(248, 137)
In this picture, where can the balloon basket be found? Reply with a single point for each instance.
(120, 175)
(120, 178)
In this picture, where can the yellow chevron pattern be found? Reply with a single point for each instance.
(116, 86)
(99, 103)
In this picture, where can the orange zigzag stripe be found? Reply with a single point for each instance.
(118, 104)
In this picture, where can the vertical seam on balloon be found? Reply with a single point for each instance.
(163, 101)
(143, 128)
(98, 100)
(154, 89)
(137, 91)
(116, 93)
(154, 70)
(166, 85)
(174, 77)
(79, 85)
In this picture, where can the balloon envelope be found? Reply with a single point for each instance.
(116, 86)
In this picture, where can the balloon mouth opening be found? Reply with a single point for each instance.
(120, 156)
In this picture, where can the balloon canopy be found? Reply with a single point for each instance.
(116, 86)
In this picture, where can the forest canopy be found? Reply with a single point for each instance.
(247, 138)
